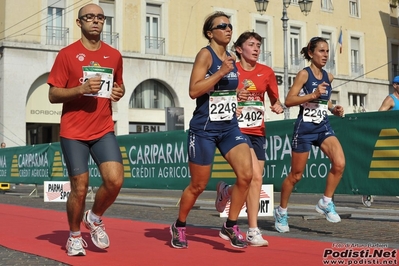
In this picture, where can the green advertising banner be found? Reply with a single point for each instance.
(371, 146)
(159, 160)
(155, 160)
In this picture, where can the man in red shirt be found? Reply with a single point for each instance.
(86, 77)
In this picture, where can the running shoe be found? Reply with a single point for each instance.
(255, 239)
(97, 231)
(234, 235)
(366, 200)
(222, 196)
(178, 236)
(75, 246)
(329, 211)
(281, 221)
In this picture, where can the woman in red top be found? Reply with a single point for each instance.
(257, 79)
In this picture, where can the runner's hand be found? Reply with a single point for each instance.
(92, 85)
(242, 95)
(277, 108)
(117, 92)
(227, 66)
(339, 111)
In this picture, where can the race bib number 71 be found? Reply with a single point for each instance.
(107, 79)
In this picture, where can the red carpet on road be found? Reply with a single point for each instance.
(44, 233)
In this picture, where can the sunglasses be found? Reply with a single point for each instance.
(90, 17)
(222, 26)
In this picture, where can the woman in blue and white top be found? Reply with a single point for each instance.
(213, 84)
(311, 91)
(391, 102)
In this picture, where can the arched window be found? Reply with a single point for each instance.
(151, 94)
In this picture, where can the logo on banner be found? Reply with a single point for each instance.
(30, 165)
(384, 161)
(126, 164)
(56, 191)
(266, 203)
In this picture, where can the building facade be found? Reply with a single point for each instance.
(159, 40)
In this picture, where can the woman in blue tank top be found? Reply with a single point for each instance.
(213, 84)
(311, 91)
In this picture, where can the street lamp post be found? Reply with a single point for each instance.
(286, 4)
(305, 6)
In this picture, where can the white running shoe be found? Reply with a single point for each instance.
(329, 211)
(255, 239)
(222, 196)
(367, 200)
(97, 231)
(75, 246)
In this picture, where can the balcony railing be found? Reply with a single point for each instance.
(297, 63)
(395, 70)
(57, 35)
(154, 45)
(266, 58)
(111, 38)
(357, 69)
(330, 67)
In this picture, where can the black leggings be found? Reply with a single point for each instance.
(76, 152)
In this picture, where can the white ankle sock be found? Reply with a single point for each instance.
(226, 192)
(282, 210)
(93, 217)
(74, 234)
(326, 200)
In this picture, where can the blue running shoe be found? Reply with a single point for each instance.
(281, 221)
(329, 211)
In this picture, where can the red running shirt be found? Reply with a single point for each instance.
(262, 80)
(86, 117)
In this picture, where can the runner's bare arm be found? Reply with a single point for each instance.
(62, 95)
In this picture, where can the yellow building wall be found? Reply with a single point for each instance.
(25, 21)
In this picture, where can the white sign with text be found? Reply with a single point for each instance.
(266, 203)
(56, 191)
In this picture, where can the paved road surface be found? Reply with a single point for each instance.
(377, 224)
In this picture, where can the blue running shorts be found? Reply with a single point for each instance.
(303, 142)
(258, 143)
(202, 144)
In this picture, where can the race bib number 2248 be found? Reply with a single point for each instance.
(222, 105)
